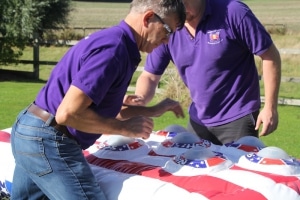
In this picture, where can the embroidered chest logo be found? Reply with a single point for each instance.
(214, 37)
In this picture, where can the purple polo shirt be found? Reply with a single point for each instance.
(101, 65)
(218, 64)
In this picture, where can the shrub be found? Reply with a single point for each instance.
(174, 88)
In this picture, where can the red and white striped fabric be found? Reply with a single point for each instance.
(182, 167)
(7, 163)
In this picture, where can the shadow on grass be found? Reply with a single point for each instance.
(18, 76)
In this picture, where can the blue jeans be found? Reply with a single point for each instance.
(49, 165)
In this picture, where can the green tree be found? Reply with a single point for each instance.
(20, 18)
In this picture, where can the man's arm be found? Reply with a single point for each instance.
(145, 89)
(74, 111)
(134, 105)
(157, 110)
(268, 116)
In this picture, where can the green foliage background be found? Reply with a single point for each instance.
(19, 19)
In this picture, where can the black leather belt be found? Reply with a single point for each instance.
(44, 115)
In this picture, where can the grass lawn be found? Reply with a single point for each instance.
(17, 95)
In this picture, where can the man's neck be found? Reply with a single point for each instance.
(192, 24)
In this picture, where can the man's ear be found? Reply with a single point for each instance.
(147, 17)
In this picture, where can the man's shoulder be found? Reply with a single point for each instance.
(236, 5)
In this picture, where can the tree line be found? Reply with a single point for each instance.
(20, 19)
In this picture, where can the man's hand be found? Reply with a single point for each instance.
(168, 105)
(133, 105)
(269, 120)
(137, 127)
(133, 100)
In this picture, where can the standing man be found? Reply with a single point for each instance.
(214, 55)
(81, 101)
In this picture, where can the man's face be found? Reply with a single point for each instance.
(192, 8)
(158, 31)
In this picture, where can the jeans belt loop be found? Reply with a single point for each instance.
(49, 119)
